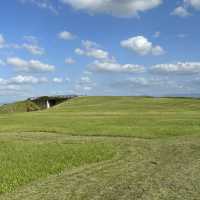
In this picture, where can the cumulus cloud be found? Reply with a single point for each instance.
(116, 67)
(31, 45)
(17, 84)
(181, 11)
(95, 53)
(85, 84)
(91, 49)
(21, 79)
(185, 68)
(66, 35)
(8, 89)
(127, 8)
(70, 61)
(29, 65)
(193, 3)
(33, 49)
(142, 46)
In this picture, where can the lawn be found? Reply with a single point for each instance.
(103, 148)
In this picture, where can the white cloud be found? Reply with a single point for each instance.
(31, 45)
(70, 61)
(28, 80)
(116, 67)
(16, 85)
(193, 3)
(126, 8)
(142, 46)
(157, 51)
(91, 50)
(185, 68)
(66, 35)
(57, 80)
(30, 65)
(5, 89)
(20, 79)
(2, 41)
(181, 11)
(85, 84)
(33, 49)
(95, 53)
(44, 4)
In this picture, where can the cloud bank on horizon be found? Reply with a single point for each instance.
(99, 47)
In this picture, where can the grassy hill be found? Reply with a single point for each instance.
(22, 106)
(103, 148)
(112, 116)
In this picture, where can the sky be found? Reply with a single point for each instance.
(99, 47)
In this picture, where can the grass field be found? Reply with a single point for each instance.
(103, 148)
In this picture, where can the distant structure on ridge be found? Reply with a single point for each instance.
(46, 102)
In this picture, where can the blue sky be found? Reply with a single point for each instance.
(99, 47)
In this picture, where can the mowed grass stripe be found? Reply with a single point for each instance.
(25, 158)
(157, 169)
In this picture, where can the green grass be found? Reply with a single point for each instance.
(22, 106)
(112, 116)
(158, 169)
(103, 148)
(25, 158)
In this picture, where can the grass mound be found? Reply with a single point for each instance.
(22, 106)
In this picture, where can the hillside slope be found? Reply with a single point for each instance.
(21, 106)
(113, 116)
